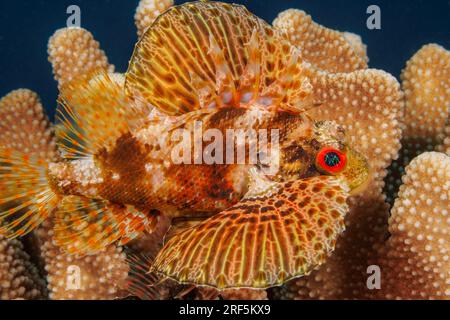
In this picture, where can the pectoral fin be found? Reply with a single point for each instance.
(212, 55)
(262, 241)
(181, 224)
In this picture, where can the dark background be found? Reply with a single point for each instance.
(26, 25)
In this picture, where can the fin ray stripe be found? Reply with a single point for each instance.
(280, 226)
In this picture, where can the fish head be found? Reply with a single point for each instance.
(337, 158)
(311, 148)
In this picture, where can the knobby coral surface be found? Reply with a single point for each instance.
(327, 49)
(445, 145)
(74, 52)
(24, 125)
(415, 262)
(357, 44)
(426, 83)
(19, 278)
(97, 277)
(148, 11)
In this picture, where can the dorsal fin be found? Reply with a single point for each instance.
(93, 112)
(212, 55)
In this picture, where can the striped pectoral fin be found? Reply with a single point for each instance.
(86, 226)
(260, 242)
(179, 225)
(207, 55)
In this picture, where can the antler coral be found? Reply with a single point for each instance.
(327, 49)
(415, 263)
(74, 52)
(426, 83)
(33, 132)
(99, 277)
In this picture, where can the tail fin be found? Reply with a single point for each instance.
(26, 199)
(26, 146)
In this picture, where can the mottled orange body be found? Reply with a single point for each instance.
(139, 170)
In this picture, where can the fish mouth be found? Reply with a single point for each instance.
(363, 186)
(358, 173)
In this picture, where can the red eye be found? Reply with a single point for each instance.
(331, 160)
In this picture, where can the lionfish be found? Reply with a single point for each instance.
(234, 224)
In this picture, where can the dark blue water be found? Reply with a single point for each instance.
(26, 25)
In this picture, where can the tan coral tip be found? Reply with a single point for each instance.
(74, 52)
(357, 44)
(24, 126)
(148, 11)
(426, 83)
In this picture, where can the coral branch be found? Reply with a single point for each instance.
(99, 277)
(426, 83)
(24, 126)
(19, 278)
(415, 262)
(357, 44)
(74, 52)
(148, 11)
(326, 49)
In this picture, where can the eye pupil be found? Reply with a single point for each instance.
(332, 159)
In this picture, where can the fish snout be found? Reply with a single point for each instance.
(357, 172)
